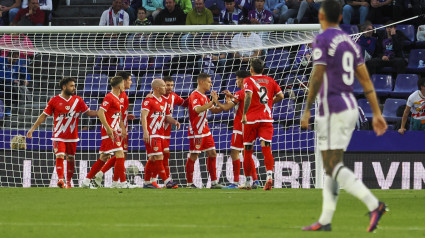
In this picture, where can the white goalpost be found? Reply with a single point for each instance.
(34, 59)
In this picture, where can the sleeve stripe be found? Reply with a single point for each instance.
(88, 109)
(145, 109)
(320, 62)
(279, 92)
(45, 113)
(103, 108)
(247, 90)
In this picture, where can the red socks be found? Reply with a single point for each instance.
(109, 164)
(70, 167)
(119, 171)
(95, 168)
(211, 165)
(190, 167)
(165, 163)
(160, 170)
(236, 170)
(149, 168)
(248, 162)
(59, 167)
(268, 158)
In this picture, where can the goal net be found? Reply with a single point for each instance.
(33, 60)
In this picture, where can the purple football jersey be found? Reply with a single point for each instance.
(335, 49)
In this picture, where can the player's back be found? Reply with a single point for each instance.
(335, 49)
(263, 89)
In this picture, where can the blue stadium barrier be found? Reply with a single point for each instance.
(405, 85)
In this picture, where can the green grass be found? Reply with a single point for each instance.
(48, 212)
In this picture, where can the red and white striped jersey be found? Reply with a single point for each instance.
(198, 121)
(66, 116)
(158, 109)
(172, 99)
(112, 106)
(263, 89)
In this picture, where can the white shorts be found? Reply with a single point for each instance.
(334, 131)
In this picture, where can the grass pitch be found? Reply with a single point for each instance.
(49, 212)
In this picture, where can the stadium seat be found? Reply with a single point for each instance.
(92, 103)
(409, 32)
(160, 62)
(349, 29)
(216, 82)
(365, 105)
(390, 109)
(95, 84)
(136, 63)
(405, 85)
(383, 84)
(145, 83)
(1, 110)
(414, 57)
(183, 84)
(137, 108)
(294, 80)
(278, 60)
(224, 116)
(179, 113)
(105, 63)
(283, 110)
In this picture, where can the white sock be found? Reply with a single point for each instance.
(269, 174)
(354, 186)
(330, 197)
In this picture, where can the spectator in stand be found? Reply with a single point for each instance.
(360, 7)
(245, 5)
(185, 5)
(142, 19)
(389, 51)
(367, 41)
(276, 7)
(171, 15)
(9, 9)
(14, 76)
(153, 8)
(247, 40)
(136, 4)
(420, 34)
(129, 10)
(115, 15)
(231, 15)
(416, 105)
(17, 40)
(260, 15)
(215, 6)
(307, 6)
(200, 15)
(45, 5)
(30, 16)
(293, 7)
(380, 11)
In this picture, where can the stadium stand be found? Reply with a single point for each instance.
(96, 85)
(405, 85)
(390, 109)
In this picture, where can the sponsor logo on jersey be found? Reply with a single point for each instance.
(67, 107)
(118, 143)
(105, 104)
(198, 147)
(125, 146)
(155, 148)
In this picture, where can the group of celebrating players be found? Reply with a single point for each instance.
(336, 59)
(253, 119)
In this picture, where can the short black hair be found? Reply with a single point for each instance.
(141, 9)
(124, 75)
(332, 10)
(203, 76)
(65, 81)
(168, 79)
(242, 74)
(257, 65)
(421, 82)
(114, 81)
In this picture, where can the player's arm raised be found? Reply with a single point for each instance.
(378, 122)
(215, 109)
(144, 120)
(37, 123)
(102, 118)
(314, 87)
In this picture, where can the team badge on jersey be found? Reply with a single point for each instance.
(105, 103)
(195, 101)
(121, 100)
(317, 53)
(67, 107)
(146, 103)
(118, 143)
